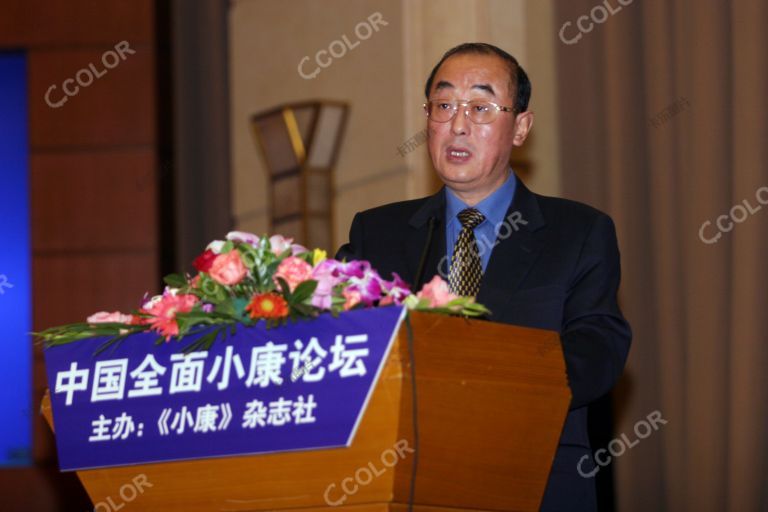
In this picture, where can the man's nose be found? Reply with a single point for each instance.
(460, 122)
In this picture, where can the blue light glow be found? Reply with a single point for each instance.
(15, 276)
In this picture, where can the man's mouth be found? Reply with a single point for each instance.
(458, 154)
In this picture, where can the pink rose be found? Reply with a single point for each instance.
(103, 317)
(228, 269)
(437, 292)
(294, 270)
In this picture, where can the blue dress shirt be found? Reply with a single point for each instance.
(493, 207)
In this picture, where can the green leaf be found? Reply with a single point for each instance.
(303, 291)
(286, 290)
(238, 306)
(116, 340)
(304, 309)
(306, 256)
(175, 280)
(213, 291)
(204, 342)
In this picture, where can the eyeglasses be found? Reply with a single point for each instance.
(478, 111)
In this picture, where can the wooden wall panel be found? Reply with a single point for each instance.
(31, 23)
(71, 287)
(94, 201)
(116, 109)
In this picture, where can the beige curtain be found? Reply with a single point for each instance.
(664, 125)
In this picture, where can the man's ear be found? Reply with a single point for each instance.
(523, 125)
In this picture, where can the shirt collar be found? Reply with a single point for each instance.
(493, 207)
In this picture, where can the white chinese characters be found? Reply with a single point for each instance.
(279, 412)
(206, 418)
(110, 429)
(271, 364)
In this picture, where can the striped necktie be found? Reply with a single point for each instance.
(466, 267)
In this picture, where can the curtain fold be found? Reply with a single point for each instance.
(663, 125)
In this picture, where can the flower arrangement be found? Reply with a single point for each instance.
(245, 279)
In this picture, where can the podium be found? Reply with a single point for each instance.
(491, 401)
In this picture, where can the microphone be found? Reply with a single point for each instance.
(412, 357)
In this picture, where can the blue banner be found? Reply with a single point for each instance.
(16, 409)
(298, 387)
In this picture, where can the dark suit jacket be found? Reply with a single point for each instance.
(556, 266)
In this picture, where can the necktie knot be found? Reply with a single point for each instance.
(470, 217)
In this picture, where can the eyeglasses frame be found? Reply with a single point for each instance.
(465, 103)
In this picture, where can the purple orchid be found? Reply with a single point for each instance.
(370, 286)
(397, 290)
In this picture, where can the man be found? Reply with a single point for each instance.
(532, 260)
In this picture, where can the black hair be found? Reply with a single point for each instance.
(518, 76)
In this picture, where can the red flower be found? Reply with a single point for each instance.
(164, 312)
(267, 305)
(203, 262)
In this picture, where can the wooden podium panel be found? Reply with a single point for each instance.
(491, 398)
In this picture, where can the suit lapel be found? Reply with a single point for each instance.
(418, 235)
(517, 248)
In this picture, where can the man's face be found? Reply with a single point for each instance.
(473, 159)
